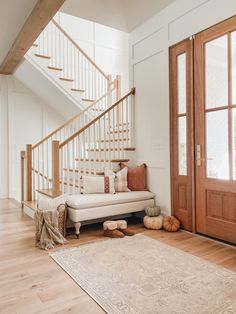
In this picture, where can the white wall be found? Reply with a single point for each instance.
(107, 47)
(25, 119)
(149, 68)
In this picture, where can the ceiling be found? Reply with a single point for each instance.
(124, 15)
(13, 15)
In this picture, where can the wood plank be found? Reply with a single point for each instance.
(31, 282)
(91, 100)
(31, 204)
(67, 79)
(42, 56)
(40, 16)
(77, 90)
(129, 149)
(54, 68)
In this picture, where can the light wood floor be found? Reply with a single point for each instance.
(30, 282)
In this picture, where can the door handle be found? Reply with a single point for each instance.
(199, 156)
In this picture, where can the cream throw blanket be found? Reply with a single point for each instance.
(47, 233)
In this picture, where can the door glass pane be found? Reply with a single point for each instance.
(181, 64)
(182, 146)
(217, 153)
(217, 72)
(233, 45)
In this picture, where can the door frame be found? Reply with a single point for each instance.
(187, 217)
(213, 32)
(203, 222)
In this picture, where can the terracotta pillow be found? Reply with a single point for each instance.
(137, 177)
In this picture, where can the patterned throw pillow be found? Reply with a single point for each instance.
(120, 179)
(98, 184)
(137, 177)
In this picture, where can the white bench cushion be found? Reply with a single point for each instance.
(83, 201)
(92, 214)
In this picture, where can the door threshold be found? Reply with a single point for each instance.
(230, 244)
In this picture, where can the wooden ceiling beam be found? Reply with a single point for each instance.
(40, 16)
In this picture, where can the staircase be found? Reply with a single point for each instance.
(98, 138)
(63, 62)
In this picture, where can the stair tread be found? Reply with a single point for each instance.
(47, 192)
(102, 160)
(54, 68)
(103, 149)
(66, 79)
(120, 160)
(77, 170)
(100, 110)
(89, 100)
(114, 140)
(78, 90)
(97, 172)
(120, 124)
(118, 131)
(42, 56)
(31, 204)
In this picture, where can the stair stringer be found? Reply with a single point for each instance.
(36, 81)
(54, 76)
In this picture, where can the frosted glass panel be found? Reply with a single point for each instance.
(181, 64)
(182, 146)
(217, 72)
(217, 145)
(233, 45)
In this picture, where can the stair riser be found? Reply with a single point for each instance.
(29, 211)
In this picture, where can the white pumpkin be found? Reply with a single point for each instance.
(154, 223)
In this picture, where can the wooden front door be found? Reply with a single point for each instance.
(181, 122)
(203, 131)
(215, 130)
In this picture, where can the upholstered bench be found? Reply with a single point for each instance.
(86, 207)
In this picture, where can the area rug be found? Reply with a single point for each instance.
(142, 275)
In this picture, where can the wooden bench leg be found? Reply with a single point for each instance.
(77, 229)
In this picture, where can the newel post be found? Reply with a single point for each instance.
(55, 169)
(22, 174)
(29, 172)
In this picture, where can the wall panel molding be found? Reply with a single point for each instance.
(182, 16)
(148, 46)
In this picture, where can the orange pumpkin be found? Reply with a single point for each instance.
(171, 224)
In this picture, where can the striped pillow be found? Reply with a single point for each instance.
(98, 184)
(121, 183)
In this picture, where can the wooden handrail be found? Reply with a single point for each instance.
(132, 92)
(78, 47)
(72, 119)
